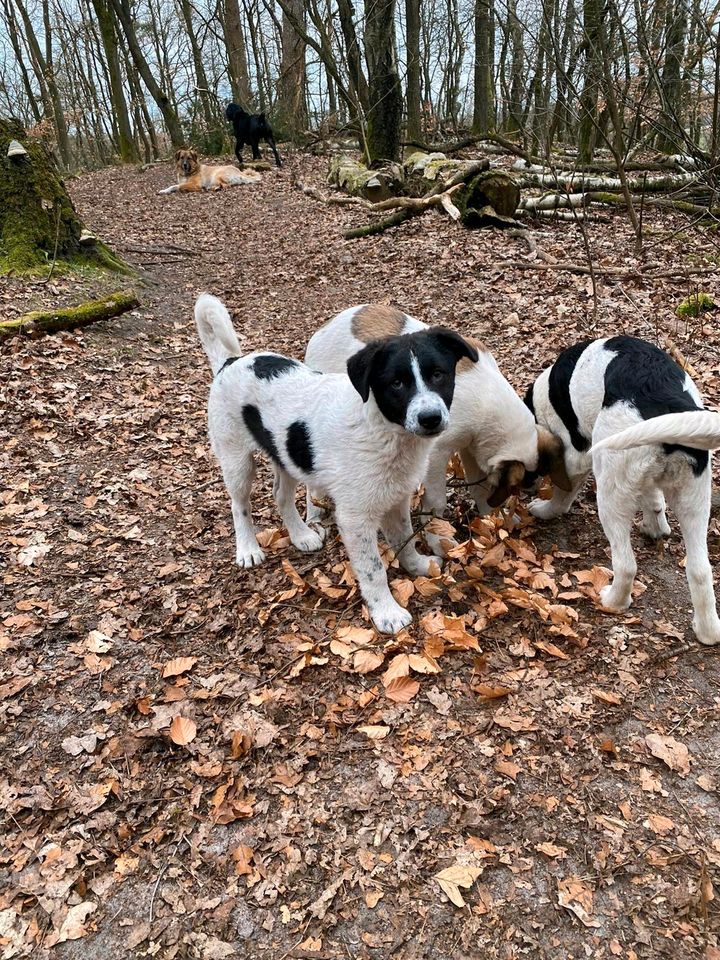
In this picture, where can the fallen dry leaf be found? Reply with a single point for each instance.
(672, 753)
(182, 730)
(173, 668)
(459, 875)
(402, 690)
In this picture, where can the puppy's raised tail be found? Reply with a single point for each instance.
(216, 331)
(697, 428)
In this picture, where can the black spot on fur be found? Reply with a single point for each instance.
(261, 435)
(228, 362)
(648, 378)
(269, 365)
(559, 392)
(529, 399)
(299, 446)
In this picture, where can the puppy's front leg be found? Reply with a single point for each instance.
(360, 538)
(397, 530)
(173, 189)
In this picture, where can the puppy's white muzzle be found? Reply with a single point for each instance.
(427, 420)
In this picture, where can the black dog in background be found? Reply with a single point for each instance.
(250, 128)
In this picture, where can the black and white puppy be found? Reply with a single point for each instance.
(362, 439)
(625, 410)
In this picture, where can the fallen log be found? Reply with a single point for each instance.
(540, 176)
(39, 322)
(414, 206)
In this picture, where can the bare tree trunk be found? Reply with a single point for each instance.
(237, 55)
(213, 136)
(484, 101)
(122, 9)
(592, 20)
(107, 23)
(13, 34)
(358, 81)
(670, 137)
(291, 84)
(412, 44)
(46, 79)
(385, 114)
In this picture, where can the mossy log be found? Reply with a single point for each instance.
(38, 223)
(494, 189)
(40, 322)
(357, 180)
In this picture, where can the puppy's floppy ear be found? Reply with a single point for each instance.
(511, 476)
(177, 155)
(551, 459)
(457, 345)
(360, 368)
(193, 153)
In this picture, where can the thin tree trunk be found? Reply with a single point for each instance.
(412, 44)
(160, 97)
(291, 83)
(107, 23)
(484, 101)
(236, 53)
(385, 114)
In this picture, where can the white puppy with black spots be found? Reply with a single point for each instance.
(490, 427)
(625, 410)
(362, 438)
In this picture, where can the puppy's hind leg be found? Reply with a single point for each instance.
(560, 502)
(271, 141)
(239, 472)
(691, 505)
(617, 509)
(302, 536)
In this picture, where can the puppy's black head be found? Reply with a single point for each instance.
(412, 377)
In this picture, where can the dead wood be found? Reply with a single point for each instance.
(40, 322)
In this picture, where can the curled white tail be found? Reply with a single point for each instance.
(696, 428)
(216, 330)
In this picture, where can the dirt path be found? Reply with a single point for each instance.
(309, 813)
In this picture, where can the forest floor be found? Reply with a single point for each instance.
(199, 761)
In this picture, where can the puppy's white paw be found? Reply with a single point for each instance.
(709, 633)
(391, 618)
(310, 540)
(249, 557)
(419, 566)
(544, 509)
(166, 190)
(440, 545)
(612, 599)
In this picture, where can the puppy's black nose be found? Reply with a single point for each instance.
(430, 421)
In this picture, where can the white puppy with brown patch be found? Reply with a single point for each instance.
(362, 438)
(490, 427)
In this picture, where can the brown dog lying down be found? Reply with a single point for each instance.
(193, 175)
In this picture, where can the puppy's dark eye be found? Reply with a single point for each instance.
(397, 385)
(437, 376)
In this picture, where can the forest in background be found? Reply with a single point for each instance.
(110, 80)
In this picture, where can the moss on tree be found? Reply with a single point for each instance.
(40, 322)
(36, 213)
